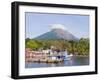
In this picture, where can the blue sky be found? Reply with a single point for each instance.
(39, 23)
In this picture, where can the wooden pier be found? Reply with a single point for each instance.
(36, 56)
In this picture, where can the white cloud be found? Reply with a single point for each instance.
(58, 26)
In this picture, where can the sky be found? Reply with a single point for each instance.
(39, 23)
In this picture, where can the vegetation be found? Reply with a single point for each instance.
(80, 47)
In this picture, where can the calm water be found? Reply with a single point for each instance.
(74, 61)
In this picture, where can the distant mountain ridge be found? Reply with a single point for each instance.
(57, 34)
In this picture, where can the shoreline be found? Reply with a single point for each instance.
(50, 60)
(81, 55)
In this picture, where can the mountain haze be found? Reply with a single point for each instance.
(57, 33)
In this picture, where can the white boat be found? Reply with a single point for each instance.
(66, 56)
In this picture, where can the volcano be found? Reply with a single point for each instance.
(57, 34)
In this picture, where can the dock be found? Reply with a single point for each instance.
(42, 57)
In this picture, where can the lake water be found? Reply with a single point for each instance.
(74, 61)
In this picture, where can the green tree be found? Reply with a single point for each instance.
(31, 44)
(83, 46)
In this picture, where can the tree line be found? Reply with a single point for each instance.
(80, 47)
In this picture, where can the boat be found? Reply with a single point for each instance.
(66, 56)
